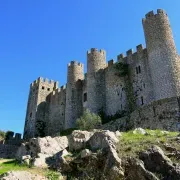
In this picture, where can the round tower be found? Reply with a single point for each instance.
(74, 107)
(164, 64)
(96, 63)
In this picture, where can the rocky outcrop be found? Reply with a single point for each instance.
(103, 139)
(156, 161)
(135, 170)
(41, 149)
(78, 139)
(94, 155)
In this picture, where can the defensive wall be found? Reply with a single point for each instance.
(163, 114)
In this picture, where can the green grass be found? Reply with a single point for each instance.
(131, 144)
(12, 165)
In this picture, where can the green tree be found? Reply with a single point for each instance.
(88, 121)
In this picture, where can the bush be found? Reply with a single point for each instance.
(88, 121)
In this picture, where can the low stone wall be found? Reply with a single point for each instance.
(162, 114)
(8, 151)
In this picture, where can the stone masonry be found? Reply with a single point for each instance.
(152, 74)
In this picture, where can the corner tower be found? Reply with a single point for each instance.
(96, 63)
(74, 107)
(37, 104)
(164, 64)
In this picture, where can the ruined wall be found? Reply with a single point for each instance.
(116, 100)
(162, 114)
(56, 115)
(8, 151)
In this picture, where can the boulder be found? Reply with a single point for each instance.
(78, 139)
(139, 131)
(156, 161)
(85, 153)
(135, 170)
(42, 149)
(102, 139)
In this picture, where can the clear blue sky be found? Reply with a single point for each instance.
(39, 38)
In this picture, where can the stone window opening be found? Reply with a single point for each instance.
(85, 97)
(138, 70)
(30, 115)
(62, 114)
(48, 89)
(43, 87)
(142, 101)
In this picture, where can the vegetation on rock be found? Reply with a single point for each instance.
(88, 121)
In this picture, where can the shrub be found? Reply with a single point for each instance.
(88, 121)
(2, 134)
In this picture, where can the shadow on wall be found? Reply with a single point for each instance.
(41, 124)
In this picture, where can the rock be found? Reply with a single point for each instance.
(135, 170)
(85, 153)
(26, 160)
(113, 169)
(139, 131)
(78, 139)
(41, 161)
(63, 153)
(42, 150)
(118, 134)
(102, 139)
(155, 161)
(22, 175)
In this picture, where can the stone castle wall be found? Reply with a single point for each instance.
(162, 114)
(153, 74)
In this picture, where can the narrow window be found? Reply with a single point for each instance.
(139, 68)
(144, 85)
(121, 106)
(62, 114)
(42, 87)
(30, 115)
(142, 101)
(48, 89)
(85, 97)
(136, 70)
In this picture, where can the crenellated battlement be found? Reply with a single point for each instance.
(139, 50)
(95, 50)
(111, 63)
(151, 14)
(75, 63)
(46, 81)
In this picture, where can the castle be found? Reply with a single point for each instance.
(139, 78)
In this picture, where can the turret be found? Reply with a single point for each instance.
(164, 64)
(74, 93)
(96, 60)
(75, 72)
(96, 63)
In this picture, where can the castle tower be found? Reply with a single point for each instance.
(164, 64)
(36, 108)
(74, 106)
(96, 62)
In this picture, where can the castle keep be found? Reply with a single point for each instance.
(139, 78)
